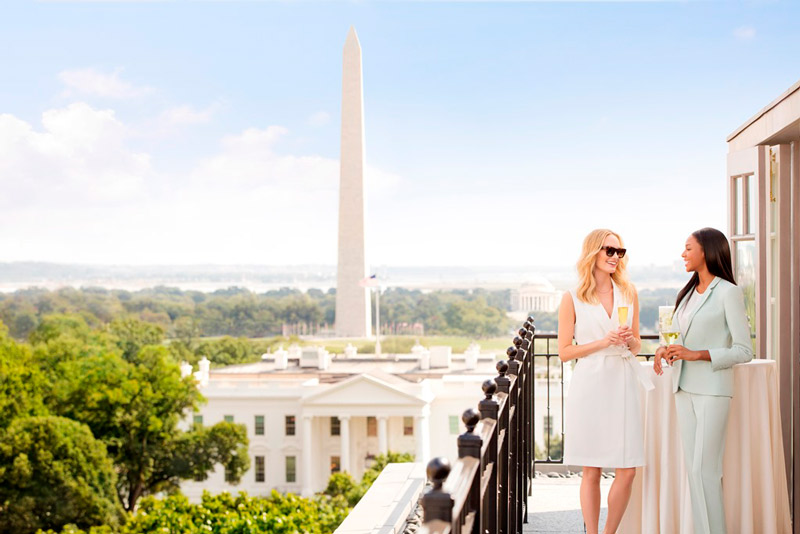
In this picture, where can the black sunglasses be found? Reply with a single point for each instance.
(610, 251)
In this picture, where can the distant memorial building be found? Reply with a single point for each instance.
(537, 295)
(352, 301)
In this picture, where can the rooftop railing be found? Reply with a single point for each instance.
(486, 489)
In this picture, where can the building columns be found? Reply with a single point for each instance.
(383, 446)
(422, 433)
(306, 469)
(344, 430)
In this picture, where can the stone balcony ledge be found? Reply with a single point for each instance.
(388, 503)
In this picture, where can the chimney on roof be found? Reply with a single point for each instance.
(202, 374)
(471, 356)
(315, 357)
(281, 359)
(441, 356)
(423, 355)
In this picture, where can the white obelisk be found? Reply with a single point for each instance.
(352, 300)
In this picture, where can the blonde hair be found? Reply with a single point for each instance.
(587, 286)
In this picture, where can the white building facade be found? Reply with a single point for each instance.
(537, 295)
(306, 423)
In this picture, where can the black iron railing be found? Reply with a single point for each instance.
(486, 490)
(545, 348)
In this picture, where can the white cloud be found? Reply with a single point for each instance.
(75, 191)
(94, 83)
(744, 33)
(78, 157)
(320, 118)
(186, 115)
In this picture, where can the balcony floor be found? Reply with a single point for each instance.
(555, 505)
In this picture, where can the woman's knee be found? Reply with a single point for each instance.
(625, 475)
(592, 474)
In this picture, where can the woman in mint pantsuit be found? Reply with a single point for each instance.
(710, 315)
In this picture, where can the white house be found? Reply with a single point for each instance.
(308, 417)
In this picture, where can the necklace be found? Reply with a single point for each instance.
(605, 292)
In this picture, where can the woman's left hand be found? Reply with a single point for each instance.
(679, 352)
(626, 333)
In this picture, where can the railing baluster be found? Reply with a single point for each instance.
(489, 409)
(437, 504)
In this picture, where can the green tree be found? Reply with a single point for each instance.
(226, 350)
(131, 335)
(53, 472)
(135, 407)
(193, 454)
(242, 514)
(186, 330)
(344, 485)
(21, 381)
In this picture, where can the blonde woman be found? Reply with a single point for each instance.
(603, 416)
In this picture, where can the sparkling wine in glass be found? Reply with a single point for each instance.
(622, 315)
(665, 325)
(670, 337)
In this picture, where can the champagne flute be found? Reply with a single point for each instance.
(622, 316)
(670, 336)
(668, 330)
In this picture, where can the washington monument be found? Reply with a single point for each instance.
(352, 300)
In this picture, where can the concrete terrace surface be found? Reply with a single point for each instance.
(554, 506)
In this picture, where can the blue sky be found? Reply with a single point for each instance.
(195, 132)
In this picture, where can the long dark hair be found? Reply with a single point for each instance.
(718, 259)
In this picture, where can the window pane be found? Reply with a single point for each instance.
(291, 472)
(335, 464)
(290, 425)
(259, 427)
(336, 426)
(738, 191)
(228, 418)
(454, 424)
(198, 420)
(372, 426)
(752, 199)
(746, 279)
(773, 191)
(408, 426)
(260, 471)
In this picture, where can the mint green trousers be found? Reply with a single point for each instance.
(703, 420)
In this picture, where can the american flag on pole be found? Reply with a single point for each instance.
(370, 281)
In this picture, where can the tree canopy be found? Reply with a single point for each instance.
(54, 472)
(237, 312)
(123, 387)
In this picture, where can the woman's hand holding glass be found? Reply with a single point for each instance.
(613, 338)
(625, 332)
(670, 334)
(619, 337)
(679, 352)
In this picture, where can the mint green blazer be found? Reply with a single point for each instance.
(719, 325)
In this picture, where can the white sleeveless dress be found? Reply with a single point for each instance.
(603, 426)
